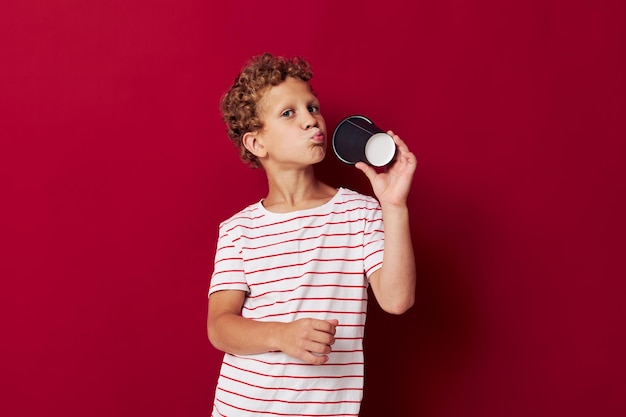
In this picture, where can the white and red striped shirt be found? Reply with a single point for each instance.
(309, 263)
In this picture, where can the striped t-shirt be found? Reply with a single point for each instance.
(312, 263)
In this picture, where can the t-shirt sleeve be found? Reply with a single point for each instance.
(373, 239)
(228, 271)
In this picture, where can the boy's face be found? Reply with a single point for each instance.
(294, 131)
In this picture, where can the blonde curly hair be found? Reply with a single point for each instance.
(239, 106)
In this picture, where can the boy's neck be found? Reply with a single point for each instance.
(292, 191)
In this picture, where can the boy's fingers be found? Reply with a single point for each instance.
(399, 142)
(327, 326)
(314, 359)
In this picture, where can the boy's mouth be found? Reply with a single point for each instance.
(318, 137)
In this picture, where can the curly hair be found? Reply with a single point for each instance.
(239, 106)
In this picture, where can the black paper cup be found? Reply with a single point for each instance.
(356, 139)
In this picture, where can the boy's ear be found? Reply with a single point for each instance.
(253, 144)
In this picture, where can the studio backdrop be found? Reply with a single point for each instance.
(115, 171)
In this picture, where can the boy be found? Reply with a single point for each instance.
(288, 294)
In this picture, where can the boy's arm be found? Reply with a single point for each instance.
(394, 283)
(306, 339)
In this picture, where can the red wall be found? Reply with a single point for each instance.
(115, 171)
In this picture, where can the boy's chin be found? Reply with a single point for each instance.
(321, 158)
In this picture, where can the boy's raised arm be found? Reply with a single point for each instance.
(394, 283)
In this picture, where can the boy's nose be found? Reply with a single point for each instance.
(310, 122)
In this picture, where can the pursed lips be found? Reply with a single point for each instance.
(318, 137)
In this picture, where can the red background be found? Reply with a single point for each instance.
(115, 171)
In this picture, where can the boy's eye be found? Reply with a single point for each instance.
(314, 109)
(287, 113)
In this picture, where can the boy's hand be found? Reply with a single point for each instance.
(392, 186)
(309, 339)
